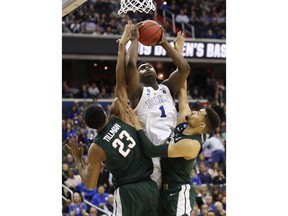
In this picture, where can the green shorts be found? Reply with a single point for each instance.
(137, 199)
(178, 200)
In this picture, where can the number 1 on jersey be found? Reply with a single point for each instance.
(163, 115)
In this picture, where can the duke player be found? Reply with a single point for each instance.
(177, 194)
(154, 104)
(118, 147)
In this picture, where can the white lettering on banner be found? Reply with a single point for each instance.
(144, 50)
(189, 48)
(200, 50)
(158, 51)
(209, 50)
(223, 50)
(216, 50)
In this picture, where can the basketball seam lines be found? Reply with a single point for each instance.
(152, 35)
(142, 29)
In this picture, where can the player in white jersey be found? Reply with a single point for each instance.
(153, 102)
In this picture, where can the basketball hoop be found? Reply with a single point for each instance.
(136, 5)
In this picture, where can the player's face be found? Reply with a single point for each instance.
(196, 117)
(146, 70)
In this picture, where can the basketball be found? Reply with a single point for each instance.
(150, 33)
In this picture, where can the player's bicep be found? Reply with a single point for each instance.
(95, 156)
(176, 81)
(184, 108)
(118, 107)
(132, 80)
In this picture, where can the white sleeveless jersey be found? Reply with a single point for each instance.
(157, 113)
(158, 116)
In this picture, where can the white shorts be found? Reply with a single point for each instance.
(156, 175)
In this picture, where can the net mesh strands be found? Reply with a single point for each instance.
(136, 5)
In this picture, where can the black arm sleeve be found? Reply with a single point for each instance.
(149, 148)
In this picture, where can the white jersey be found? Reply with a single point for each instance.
(158, 116)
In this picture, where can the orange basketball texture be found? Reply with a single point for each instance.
(150, 33)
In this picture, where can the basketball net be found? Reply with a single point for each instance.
(136, 5)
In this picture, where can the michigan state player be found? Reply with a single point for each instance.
(118, 147)
(153, 103)
(177, 195)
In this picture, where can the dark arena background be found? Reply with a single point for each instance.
(89, 53)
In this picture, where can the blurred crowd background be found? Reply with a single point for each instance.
(205, 89)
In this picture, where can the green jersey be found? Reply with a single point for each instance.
(125, 159)
(177, 171)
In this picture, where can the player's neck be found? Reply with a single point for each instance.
(150, 82)
(106, 122)
(154, 85)
(191, 131)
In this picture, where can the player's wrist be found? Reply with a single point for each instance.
(138, 128)
(122, 44)
(134, 38)
(164, 43)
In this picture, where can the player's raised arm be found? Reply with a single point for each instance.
(179, 76)
(118, 107)
(184, 108)
(132, 76)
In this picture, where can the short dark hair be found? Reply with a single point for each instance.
(142, 62)
(94, 116)
(213, 120)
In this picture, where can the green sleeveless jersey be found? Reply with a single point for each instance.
(125, 159)
(177, 170)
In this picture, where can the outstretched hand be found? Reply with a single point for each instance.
(71, 144)
(179, 42)
(163, 37)
(135, 30)
(133, 118)
(127, 33)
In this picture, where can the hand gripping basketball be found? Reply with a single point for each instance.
(150, 33)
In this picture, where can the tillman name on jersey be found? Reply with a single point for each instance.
(112, 132)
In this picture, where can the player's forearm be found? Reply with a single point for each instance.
(149, 148)
(177, 58)
(132, 57)
(82, 169)
(120, 65)
(132, 76)
(121, 52)
(182, 97)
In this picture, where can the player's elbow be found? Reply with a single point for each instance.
(90, 186)
(186, 68)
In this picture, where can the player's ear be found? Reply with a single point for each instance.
(202, 125)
